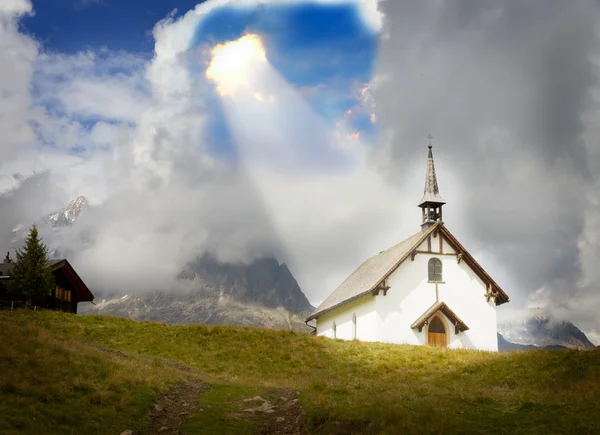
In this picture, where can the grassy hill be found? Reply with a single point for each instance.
(62, 374)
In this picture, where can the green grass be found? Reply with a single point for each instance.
(53, 384)
(345, 386)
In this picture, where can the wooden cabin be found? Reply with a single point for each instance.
(69, 291)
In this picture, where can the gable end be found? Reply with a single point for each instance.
(492, 288)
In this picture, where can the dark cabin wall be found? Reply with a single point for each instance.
(68, 306)
(53, 303)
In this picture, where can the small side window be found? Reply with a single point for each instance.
(353, 326)
(435, 270)
(334, 331)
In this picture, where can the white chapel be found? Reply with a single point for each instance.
(426, 290)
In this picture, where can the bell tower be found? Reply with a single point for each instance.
(431, 203)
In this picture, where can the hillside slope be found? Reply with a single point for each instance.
(345, 387)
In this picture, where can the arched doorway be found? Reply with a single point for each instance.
(436, 333)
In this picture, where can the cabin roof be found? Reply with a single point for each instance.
(65, 268)
(376, 269)
(5, 268)
(442, 307)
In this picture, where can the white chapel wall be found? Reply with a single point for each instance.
(464, 294)
(410, 295)
(363, 308)
(408, 298)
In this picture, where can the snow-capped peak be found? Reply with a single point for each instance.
(69, 214)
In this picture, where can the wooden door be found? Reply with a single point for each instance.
(436, 333)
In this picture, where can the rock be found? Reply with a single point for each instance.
(266, 407)
(127, 432)
(158, 408)
(280, 419)
(162, 429)
(185, 404)
(183, 413)
(283, 399)
(252, 399)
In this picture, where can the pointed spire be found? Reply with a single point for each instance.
(431, 193)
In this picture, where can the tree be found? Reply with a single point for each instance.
(31, 276)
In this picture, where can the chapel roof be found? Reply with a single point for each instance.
(376, 269)
(370, 273)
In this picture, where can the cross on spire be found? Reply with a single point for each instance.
(430, 137)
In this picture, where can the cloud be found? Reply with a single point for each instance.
(22, 203)
(108, 85)
(15, 8)
(509, 91)
(17, 56)
(164, 198)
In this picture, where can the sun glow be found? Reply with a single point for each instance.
(232, 62)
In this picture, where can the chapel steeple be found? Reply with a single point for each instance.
(432, 202)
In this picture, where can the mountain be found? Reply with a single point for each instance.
(542, 331)
(264, 282)
(193, 308)
(52, 222)
(68, 215)
(262, 293)
(506, 346)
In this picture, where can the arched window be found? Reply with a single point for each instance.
(353, 326)
(334, 331)
(437, 326)
(435, 270)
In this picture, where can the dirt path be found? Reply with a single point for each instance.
(173, 408)
(282, 416)
(286, 417)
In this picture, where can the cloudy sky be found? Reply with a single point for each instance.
(298, 129)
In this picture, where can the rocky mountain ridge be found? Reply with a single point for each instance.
(541, 330)
(193, 308)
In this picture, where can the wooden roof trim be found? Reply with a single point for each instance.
(411, 253)
(463, 254)
(459, 325)
(84, 293)
(333, 307)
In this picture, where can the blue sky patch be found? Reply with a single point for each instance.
(324, 51)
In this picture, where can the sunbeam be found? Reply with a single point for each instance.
(271, 123)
